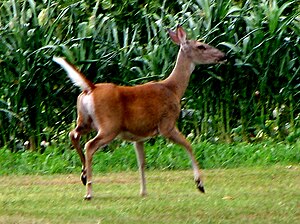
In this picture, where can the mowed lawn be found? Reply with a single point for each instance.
(242, 195)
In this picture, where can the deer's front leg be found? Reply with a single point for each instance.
(178, 138)
(140, 154)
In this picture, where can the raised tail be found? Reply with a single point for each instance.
(77, 78)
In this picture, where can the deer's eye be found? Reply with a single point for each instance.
(201, 47)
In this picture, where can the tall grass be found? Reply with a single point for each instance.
(255, 96)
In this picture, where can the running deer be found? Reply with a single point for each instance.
(137, 113)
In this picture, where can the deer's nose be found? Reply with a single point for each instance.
(223, 58)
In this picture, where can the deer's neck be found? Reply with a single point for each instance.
(180, 76)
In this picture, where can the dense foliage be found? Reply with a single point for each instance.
(254, 96)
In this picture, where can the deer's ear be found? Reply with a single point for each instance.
(181, 34)
(174, 37)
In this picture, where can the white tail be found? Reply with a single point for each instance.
(137, 113)
(76, 77)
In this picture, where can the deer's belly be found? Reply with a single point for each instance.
(126, 135)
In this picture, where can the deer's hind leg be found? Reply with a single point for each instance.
(84, 126)
(100, 140)
(75, 136)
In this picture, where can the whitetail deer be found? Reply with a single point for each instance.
(139, 112)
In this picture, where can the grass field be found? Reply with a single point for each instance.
(240, 195)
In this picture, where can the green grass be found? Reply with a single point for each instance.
(240, 195)
(161, 155)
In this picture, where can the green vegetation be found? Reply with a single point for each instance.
(161, 155)
(252, 98)
(256, 195)
(241, 114)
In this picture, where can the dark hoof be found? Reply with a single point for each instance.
(83, 178)
(200, 186)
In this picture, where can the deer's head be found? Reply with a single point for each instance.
(198, 52)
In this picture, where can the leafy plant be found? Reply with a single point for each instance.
(127, 43)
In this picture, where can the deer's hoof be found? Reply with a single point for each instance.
(87, 197)
(143, 194)
(83, 178)
(200, 186)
